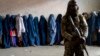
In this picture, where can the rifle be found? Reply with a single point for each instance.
(79, 34)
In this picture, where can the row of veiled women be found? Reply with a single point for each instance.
(17, 30)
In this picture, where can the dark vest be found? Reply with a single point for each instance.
(78, 23)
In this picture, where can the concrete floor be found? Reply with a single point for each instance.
(43, 51)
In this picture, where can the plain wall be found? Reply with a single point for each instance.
(44, 7)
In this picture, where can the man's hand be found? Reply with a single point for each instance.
(82, 40)
(78, 41)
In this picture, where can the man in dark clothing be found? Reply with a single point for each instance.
(72, 41)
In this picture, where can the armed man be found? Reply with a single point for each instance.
(74, 30)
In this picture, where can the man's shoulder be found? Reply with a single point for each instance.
(64, 19)
(80, 16)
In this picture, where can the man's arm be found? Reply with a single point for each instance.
(64, 33)
(84, 26)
